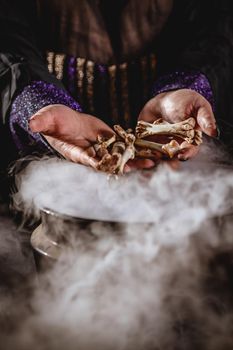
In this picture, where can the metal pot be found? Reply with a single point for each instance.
(58, 231)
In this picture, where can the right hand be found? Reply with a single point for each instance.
(69, 132)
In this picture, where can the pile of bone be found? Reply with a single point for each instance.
(116, 151)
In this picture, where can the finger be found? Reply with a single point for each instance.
(55, 121)
(147, 115)
(174, 164)
(72, 152)
(127, 169)
(141, 164)
(98, 127)
(151, 111)
(189, 153)
(63, 123)
(206, 121)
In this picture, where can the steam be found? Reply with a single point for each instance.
(201, 189)
(163, 283)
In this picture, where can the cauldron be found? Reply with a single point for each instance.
(59, 231)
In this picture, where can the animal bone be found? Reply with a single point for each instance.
(129, 152)
(116, 151)
(113, 160)
(149, 145)
(184, 130)
(118, 147)
(101, 147)
(109, 163)
(145, 129)
(198, 137)
(125, 135)
(170, 149)
(147, 153)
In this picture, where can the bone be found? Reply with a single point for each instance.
(150, 145)
(109, 163)
(100, 150)
(113, 161)
(170, 149)
(115, 152)
(127, 155)
(129, 152)
(104, 162)
(194, 137)
(148, 154)
(102, 145)
(173, 148)
(184, 130)
(118, 147)
(198, 137)
(124, 134)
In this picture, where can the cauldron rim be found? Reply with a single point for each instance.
(67, 217)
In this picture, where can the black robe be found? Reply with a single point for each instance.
(194, 35)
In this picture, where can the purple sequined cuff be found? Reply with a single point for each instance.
(185, 80)
(34, 97)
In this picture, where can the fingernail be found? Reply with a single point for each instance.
(149, 164)
(214, 131)
(127, 169)
(182, 158)
(93, 163)
(211, 129)
(209, 126)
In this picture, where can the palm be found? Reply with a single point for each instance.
(175, 106)
(70, 133)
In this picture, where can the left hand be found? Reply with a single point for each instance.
(178, 105)
(69, 132)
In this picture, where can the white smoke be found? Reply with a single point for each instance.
(163, 284)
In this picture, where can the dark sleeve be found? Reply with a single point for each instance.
(25, 82)
(198, 42)
(20, 59)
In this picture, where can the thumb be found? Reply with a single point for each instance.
(147, 115)
(206, 121)
(74, 153)
(57, 121)
(43, 121)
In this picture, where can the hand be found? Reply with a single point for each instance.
(175, 106)
(70, 133)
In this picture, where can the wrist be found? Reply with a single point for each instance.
(195, 81)
(30, 101)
